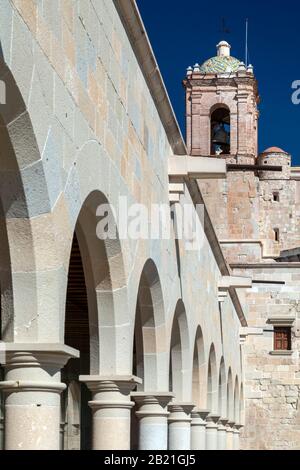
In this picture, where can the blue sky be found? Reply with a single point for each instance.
(183, 33)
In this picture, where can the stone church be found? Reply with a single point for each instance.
(116, 343)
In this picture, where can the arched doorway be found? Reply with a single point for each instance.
(75, 410)
(220, 131)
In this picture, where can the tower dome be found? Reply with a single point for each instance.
(223, 62)
(275, 156)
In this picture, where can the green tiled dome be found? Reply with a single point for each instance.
(220, 64)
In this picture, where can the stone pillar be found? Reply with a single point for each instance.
(236, 436)
(180, 426)
(212, 432)
(198, 429)
(243, 136)
(153, 415)
(222, 434)
(32, 389)
(229, 431)
(111, 408)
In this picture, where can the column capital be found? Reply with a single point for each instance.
(238, 427)
(181, 407)
(37, 355)
(180, 412)
(198, 414)
(231, 424)
(110, 391)
(152, 403)
(223, 421)
(123, 384)
(213, 419)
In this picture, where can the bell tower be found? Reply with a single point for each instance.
(222, 108)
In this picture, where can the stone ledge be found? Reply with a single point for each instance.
(281, 353)
(281, 320)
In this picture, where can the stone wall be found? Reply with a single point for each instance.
(272, 381)
(83, 127)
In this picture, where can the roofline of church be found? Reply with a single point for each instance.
(135, 29)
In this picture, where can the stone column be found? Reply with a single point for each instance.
(111, 408)
(236, 436)
(32, 389)
(229, 431)
(198, 429)
(180, 426)
(153, 415)
(212, 432)
(222, 434)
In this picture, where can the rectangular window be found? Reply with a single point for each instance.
(282, 339)
(276, 235)
(276, 197)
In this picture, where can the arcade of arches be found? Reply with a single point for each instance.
(107, 343)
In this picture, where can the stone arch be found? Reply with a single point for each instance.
(222, 393)
(219, 105)
(212, 382)
(150, 332)
(199, 371)
(106, 286)
(236, 401)
(25, 201)
(179, 354)
(220, 123)
(230, 401)
(96, 290)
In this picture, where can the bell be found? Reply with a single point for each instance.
(220, 136)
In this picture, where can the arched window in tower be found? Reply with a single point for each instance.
(220, 131)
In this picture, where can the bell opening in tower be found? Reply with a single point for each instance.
(220, 131)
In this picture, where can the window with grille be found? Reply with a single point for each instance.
(282, 339)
